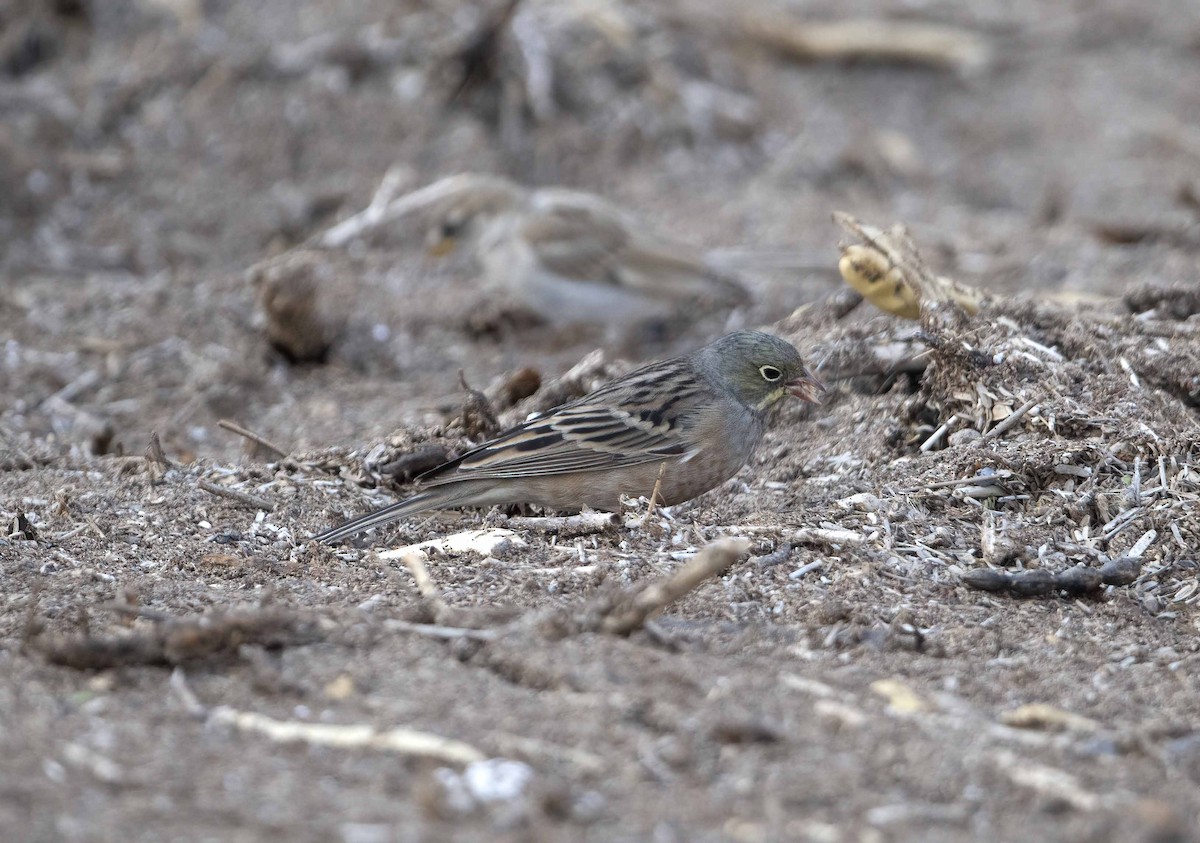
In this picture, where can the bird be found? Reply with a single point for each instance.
(568, 256)
(668, 431)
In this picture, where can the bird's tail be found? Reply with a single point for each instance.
(421, 502)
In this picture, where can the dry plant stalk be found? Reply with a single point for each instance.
(415, 562)
(825, 535)
(1010, 422)
(632, 610)
(157, 463)
(154, 452)
(378, 213)
(888, 271)
(896, 41)
(243, 498)
(257, 439)
(350, 736)
(567, 526)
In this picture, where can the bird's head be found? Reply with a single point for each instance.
(448, 232)
(759, 369)
(470, 201)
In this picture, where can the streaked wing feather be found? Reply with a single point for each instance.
(588, 243)
(675, 270)
(575, 243)
(578, 437)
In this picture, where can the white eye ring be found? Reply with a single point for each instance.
(770, 373)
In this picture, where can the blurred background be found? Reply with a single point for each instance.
(171, 171)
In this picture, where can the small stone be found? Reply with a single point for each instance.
(963, 437)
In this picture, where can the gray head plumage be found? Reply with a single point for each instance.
(759, 369)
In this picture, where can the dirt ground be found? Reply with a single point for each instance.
(176, 657)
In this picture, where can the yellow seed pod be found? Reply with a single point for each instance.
(870, 273)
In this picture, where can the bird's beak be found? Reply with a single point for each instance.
(807, 387)
(441, 247)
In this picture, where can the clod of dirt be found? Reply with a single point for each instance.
(409, 466)
(294, 297)
(516, 386)
(179, 640)
(20, 528)
(477, 418)
(1172, 302)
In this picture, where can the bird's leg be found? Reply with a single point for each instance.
(662, 469)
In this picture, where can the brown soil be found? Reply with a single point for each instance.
(831, 686)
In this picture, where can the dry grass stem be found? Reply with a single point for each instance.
(245, 499)
(1010, 422)
(257, 439)
(402, 741)
(824, 535)
(711, 561)
(889, 41)
(585, 523)
(415, 562)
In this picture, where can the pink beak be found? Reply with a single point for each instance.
(807, 387)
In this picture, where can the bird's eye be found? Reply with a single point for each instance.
(451, 229)
(770, 373)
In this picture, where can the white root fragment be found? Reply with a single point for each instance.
(1049, 782)
(385, 208)
(483, 542)
(868, 39)
(824, 535)
(350, 736)
(1142, 544)
(932, 442)
(581, 524)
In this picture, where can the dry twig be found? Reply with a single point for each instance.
(415, 562)
(449, 633)
(824, 535)
(1010, 422)
(154, 453)
(583, 524)
(350, 736)
(894, 41)
(245, 499)
(633, 609)
(261, 441)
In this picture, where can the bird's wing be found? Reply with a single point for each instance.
(675, 270)
(583, 238)
(576, 242)
(578, 437)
